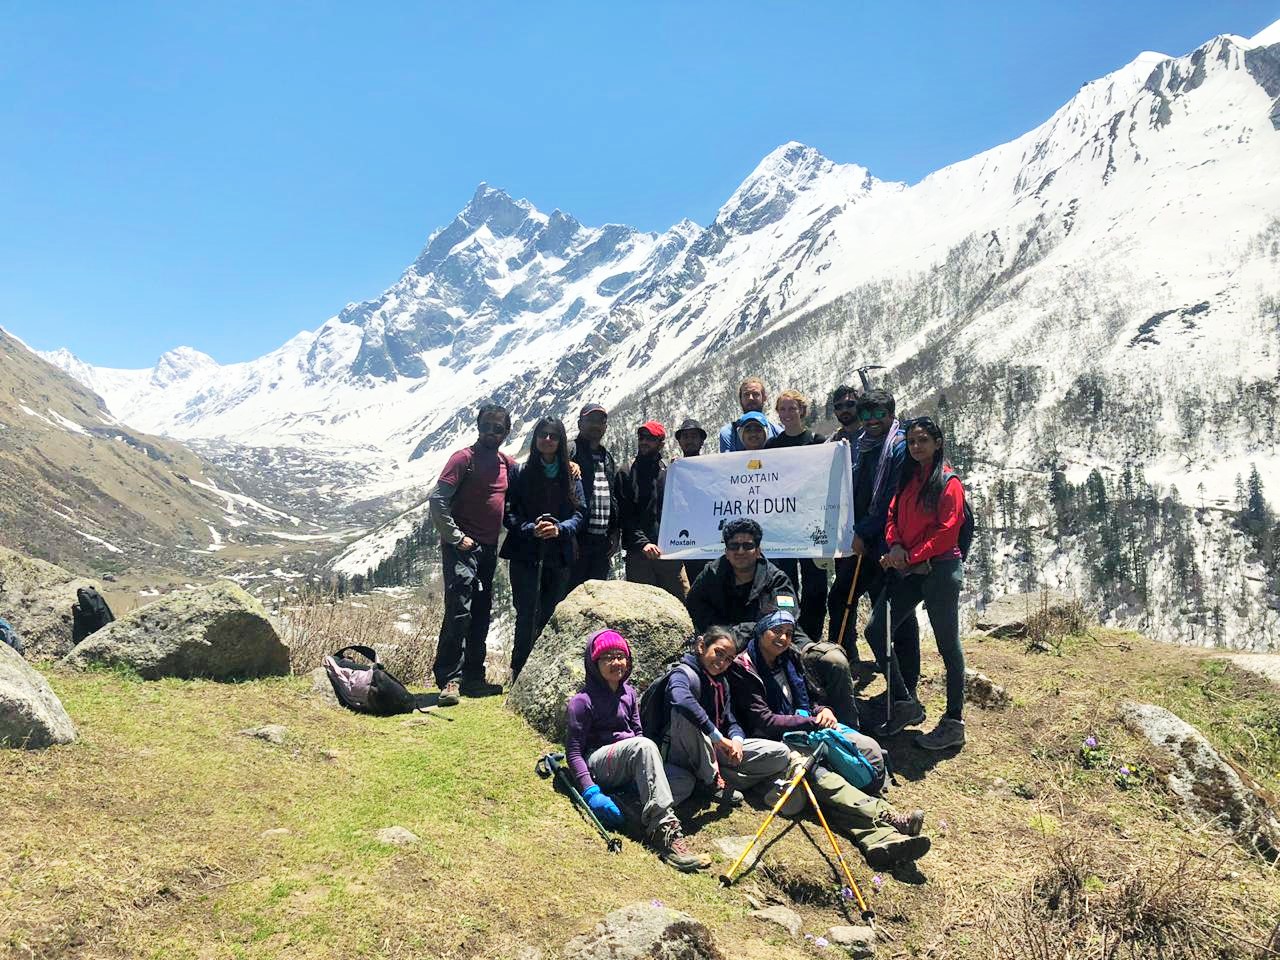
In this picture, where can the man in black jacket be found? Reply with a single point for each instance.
(640, 505)
(598, 537)
(737, 589)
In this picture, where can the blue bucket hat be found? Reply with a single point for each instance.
(771, 620)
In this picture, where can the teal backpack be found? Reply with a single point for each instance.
(839, 754)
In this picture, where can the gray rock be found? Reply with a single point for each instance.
(1007, 616)
(36, 597)
(732, 847)
(859, 941)
(645, 931)
(272, 733)
(655, 624)
(396, 836)
(982, 691)
(217, 632)
(784, 917)
(275, 832)
(31, 715)
(1210, 787)
(322, 688)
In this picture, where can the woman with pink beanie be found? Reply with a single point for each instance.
(606, 748)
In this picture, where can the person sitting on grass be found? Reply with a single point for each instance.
(701, 739)
(771, 693)
(605, 747)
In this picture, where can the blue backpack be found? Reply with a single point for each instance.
(840, 755)
(10, 636)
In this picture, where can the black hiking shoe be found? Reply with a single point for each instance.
(449, 695)
(897, 849)
(475, 689)
(906, 713)
(720, 792)
(947, 735)
(673, 849)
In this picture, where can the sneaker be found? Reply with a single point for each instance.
(907, 824)
(673, 848)
(449, 696)
(480, 688)
(946, 735)
(906, 713)
(896, 849)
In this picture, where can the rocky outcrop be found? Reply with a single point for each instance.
(1008, 616)
(655, 624)
(217, 632)
(1210, 787)
(982, 691)
(645, 931)
(31, 715)
(36, 598)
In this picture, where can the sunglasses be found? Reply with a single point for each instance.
(548, 435)
(741, 545)
(879, 413)
(493, 428)
(844, 405)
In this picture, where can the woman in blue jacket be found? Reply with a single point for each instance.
(544, 508)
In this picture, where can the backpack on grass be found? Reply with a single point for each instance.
(366, 688)
(9, 635)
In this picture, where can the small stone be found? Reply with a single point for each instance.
(732, 847)
(859, 941)
(999, 783)
(275, 832)
(982, 691)
(396, 836)
(530, 953)
(415, 722)
(271, 732)
(643, 930)
(784, 917)
(330, 755)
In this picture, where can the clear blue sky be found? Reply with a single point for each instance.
(223, 175)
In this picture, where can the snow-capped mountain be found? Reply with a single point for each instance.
(1127, 246)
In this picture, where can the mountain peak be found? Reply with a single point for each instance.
(495, 207)
(179, 364)
(1267, 36)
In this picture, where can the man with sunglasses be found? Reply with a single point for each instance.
(737, 589)
(879, 449)
(466, 508)
(599, 537)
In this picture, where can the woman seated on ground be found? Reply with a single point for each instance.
(544, 509)
(606, 748)
(924, 563)
(772, 696)
(701, 739)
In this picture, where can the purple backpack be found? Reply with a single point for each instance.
(366, 687)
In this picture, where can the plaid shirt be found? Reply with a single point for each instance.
(598, 517)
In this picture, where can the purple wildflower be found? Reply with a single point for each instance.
(846, 893)
(821, 942)
(1125, 772)
(877, 881)
(1091, 742)
(657, 903)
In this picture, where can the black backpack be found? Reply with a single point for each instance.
(654, 717)
(366, 688)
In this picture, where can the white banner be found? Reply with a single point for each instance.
(802, 497)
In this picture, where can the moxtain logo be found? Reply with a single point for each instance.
(754, 464)
(683, 533)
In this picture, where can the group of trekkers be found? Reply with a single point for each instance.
(758, 666)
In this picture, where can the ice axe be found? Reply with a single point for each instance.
(862, 375)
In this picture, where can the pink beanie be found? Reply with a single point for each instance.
(607, 640)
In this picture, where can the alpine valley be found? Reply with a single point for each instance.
(1092, 310)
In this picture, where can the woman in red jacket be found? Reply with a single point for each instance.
(924, 563)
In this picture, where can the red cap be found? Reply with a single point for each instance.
(654, 428)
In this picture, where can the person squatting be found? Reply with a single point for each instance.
(767, 659)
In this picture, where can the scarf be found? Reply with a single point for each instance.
(551, 470)
(772, 691)
(866, 444)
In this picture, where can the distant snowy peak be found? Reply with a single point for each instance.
(1266, 37)
(181, 363)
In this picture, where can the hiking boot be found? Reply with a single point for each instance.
(480, 688)
(795, 803)
(673, 849)
(721, 793)
(907, 824)
(896, 849)
(946, 735)
(906, 713)
(449, 696)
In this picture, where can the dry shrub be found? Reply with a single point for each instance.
(1088, 906)
(1051, 622)
(320, 623)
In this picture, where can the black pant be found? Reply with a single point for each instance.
(871, 582)
(468, 604)
(526, 593)
(811, 580)
(593, 560)
(692, 568)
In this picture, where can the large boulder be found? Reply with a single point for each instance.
(645, 931)
(36, 597)
(31, 715)
(655, 623)
(1210, 787)
(217, 632)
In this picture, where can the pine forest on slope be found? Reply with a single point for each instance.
(1093, 309)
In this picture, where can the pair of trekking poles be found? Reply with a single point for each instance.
(889, 657)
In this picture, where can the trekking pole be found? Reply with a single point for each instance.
(550, 765)
(848, 604)
(868, 914)
(726, 879)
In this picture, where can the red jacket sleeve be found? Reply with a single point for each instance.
(891, 535)
(943, 534)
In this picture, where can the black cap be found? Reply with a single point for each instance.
(590, 408)
(691, 424)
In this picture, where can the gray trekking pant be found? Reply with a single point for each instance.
(636, 762)
(691, 759)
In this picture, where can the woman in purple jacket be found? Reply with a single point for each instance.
(606, 747)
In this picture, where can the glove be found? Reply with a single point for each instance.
(603, 807)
